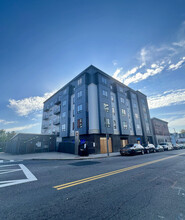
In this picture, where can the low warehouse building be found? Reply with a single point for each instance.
(23, 143)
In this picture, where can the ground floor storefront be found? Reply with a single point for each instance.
(97, 143)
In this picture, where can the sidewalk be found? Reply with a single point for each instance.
(52, 156)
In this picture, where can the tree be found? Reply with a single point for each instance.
(182, 131)
(4, 137)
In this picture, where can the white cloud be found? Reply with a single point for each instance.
(143, 55)
(118, 70)
(2, 121)
(24, 107)
(168, 98)
(141, 76)
(115, 63)
(179, 44)
(177, 122)
(22, 127)
(132, 71)
(177, 65)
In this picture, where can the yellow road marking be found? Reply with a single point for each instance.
(77, 182)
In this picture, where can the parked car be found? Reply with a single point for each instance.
(159, 148)
(182, 146)
(132, 149)
(177, 147)
(167, 146)
(149, 148)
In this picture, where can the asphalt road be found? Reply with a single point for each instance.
(133, 187)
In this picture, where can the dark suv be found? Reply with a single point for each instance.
(132, 149)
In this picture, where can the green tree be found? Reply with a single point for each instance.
(182, 131)
(4, 137)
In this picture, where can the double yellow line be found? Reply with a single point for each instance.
(77, 182)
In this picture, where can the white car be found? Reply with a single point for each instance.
(159, 148)
(167, 146)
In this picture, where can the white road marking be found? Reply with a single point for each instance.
(9, 171)
(30, 177)
(9, 161)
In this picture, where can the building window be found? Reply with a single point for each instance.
(138, 126)
(104, 93)
(114, 124)
(107, 122)
(104, 80)
(73, 100)
(106, 107)
(64, 103)
(64, 127)
(79, 108)
(135, 105)
(63, 114)
(111, 87)
(79, 123)
(112, 98)
(120, 89)
(113, 111)
(147, 128)
(79, 81)
(122, 100)
(73, 126)
(125, 126)
(144, 109)
(136, 116)
(79, 94)
(123, 111)
(64, 92)
(73, 112)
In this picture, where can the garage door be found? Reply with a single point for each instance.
(103, 145)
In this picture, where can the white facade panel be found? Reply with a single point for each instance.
(72, 115)
(93, 109)
(115, 114)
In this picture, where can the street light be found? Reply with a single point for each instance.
(106, 107)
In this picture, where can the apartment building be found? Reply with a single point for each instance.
(160, 131)
(94, 103)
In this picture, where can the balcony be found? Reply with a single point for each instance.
(57, 100)
(46, 117)
(56, 121)
(46, 109)
(56, 110)
(44, 126)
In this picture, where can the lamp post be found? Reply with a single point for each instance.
(107, 138)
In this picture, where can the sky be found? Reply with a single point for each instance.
(44, 44)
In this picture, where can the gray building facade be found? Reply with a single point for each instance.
(160, 131)
(94, 104)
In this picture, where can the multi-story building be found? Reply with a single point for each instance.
(94, 104)
(160, 131)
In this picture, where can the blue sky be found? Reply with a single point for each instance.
(44, 44)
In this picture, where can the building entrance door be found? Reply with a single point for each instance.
(124, 142)
(103, 145)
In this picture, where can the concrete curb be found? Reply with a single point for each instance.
(80, 158)
(87, 158)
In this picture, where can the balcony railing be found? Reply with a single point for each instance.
(46, 117)
(45, 126)
(56, 110)
(46, 109)
(58, 100)
(56, 121)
